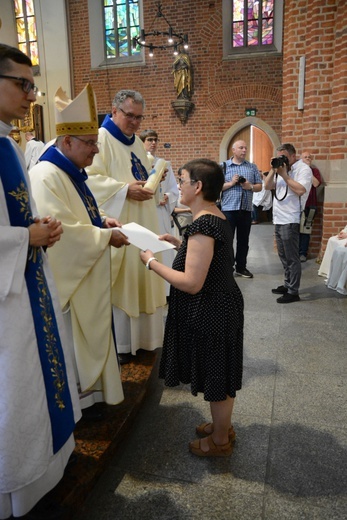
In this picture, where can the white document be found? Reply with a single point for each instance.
(143, 238)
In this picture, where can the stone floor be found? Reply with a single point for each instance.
(290, 456)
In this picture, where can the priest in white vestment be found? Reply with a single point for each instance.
(166, 196)
(33, 150)
(81, 263)
(116, 178)
(39, 404)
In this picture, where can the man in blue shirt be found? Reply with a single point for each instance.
(242, 179)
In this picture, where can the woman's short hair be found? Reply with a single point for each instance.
(209, 173)
(148, 133)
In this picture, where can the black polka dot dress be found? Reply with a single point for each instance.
(203, 342)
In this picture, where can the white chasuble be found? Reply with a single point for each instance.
(135, 291)
(80, 262)
(28, 466)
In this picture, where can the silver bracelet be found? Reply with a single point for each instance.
(148, 265)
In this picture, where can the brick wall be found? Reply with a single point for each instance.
(222, 89)
(316, 29)
(309, 32)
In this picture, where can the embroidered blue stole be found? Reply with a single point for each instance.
(137, 169)
(48, 341)
(78, 179)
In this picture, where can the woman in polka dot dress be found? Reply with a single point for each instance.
(203, 341)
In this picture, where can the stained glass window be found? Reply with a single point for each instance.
(121, 24)
(252, 23)
(26, 29)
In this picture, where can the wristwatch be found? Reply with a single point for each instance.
(252, 187)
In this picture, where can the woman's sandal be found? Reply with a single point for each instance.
(200, 430)
(215, 450)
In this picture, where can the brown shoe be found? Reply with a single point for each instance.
(220, 450)
(201, 431)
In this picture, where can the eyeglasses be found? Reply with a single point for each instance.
(89, 143)
(132, 117)
(183, 181)
(152, 139)
(27, 86)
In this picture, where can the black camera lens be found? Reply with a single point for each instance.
(279, 161)
(241, 180)
(275, 162)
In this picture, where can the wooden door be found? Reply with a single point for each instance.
(262, 149)
(259, 146)
(243, 135)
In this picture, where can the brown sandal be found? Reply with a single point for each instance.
(215, 450)
(200, 430)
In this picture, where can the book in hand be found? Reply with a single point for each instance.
(143, 238)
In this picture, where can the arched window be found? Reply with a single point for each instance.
(121, 24)
(252, 26)
(26, 30)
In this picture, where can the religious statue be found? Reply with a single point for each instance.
(182, 72)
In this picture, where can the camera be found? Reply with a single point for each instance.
(241, 180)
(279, 161)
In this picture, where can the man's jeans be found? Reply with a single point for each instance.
(287, 240)
(240, 221)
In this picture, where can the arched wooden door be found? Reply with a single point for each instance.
(260, 147)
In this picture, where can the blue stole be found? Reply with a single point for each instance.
(78, 179)
(47, 335)
(137, 169)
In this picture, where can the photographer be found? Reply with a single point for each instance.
(242, 179)
(291, 180)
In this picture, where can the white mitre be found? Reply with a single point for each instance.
(78, 116)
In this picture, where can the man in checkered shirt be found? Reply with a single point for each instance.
(242, 179)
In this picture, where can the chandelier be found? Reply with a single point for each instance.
(164, 39)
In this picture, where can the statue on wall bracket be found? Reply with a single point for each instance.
(183, 83)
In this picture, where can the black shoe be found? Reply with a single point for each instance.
(124, 359)
(303, 258)
(244, 273)
(92, 413)
(280, 290)
(288, 298)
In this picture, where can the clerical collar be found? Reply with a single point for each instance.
(116, 132)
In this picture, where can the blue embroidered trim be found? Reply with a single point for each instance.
(48, 340)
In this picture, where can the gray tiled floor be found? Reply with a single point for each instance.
(290, 458)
